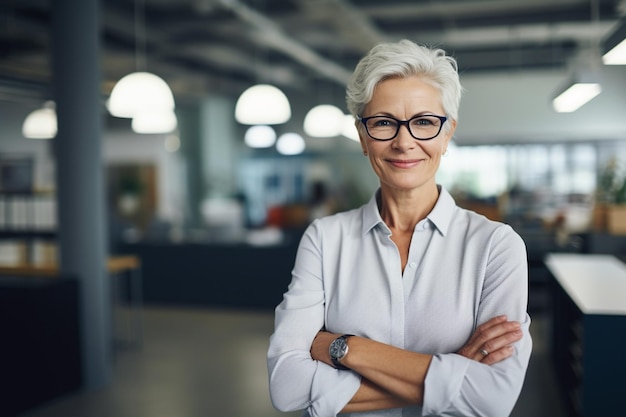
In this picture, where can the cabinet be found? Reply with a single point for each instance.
(40, 356)
(589, 337)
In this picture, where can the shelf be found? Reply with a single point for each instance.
(28, 234)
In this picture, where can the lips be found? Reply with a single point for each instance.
(404, 163)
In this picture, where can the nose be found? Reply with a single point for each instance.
(404, 139)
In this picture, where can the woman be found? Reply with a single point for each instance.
(408, 305)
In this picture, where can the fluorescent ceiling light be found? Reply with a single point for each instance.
(575, 96)
(262, 104)
(617, 55)
(614, 46)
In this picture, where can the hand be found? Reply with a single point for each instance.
(320, 345)
(492, 340)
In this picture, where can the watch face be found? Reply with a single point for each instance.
(338, 348)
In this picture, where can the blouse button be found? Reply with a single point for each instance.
(412, 265)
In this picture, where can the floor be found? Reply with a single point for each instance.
(204, 363)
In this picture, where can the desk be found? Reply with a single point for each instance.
(117, 267)
(214, 275)
(589, 338)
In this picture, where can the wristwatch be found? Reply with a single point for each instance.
(338, 350)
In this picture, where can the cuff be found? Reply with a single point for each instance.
(443, 382)
(332, 389)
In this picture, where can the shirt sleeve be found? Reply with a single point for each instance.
(296, 380)
(457, 386)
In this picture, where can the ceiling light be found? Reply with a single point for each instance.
(349, 128)
(617, 55)
(262, 104)
(154, 121)
(324, 121)
(172, 143)
(260, 136)
(575, 96)
(290, 144)
(140, 92)
(41, 123)
(614, 46)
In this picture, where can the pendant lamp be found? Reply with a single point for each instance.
(41, 123)
(154, 121)
(262, 104)
(140, 92)
(324, 121)
(290, 144)
(260, 136)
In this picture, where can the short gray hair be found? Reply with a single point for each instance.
(404, 59)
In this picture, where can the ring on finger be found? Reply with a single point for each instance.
(483, 352)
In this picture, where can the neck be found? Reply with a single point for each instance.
(402, 210)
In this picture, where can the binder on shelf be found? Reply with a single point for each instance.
(28, 213)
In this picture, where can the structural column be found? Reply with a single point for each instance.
(80, 176)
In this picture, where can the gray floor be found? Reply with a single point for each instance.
(205, 363)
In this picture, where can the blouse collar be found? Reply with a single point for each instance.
(440, 216)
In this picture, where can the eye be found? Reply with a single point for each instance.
(382, 122)
(425, 121)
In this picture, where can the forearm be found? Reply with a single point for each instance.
(399, 372)
(371, 397)
(394, 377)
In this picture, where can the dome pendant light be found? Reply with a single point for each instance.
(139, 92)
(262, 104)
(142, 94)
(324, 121)
(41, 123)
(154, 121)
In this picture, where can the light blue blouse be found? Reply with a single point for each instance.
(462, 270)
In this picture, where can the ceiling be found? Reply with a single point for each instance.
(306, 47)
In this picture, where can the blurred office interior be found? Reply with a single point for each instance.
(116, 243)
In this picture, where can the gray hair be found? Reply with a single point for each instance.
(404, 59)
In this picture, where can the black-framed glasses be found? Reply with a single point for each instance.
(422, 127)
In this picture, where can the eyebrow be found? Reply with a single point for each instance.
(387, 114)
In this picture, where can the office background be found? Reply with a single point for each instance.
(147, 229)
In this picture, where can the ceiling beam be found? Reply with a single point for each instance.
(271, 35)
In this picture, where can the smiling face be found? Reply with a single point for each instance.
(404, 163)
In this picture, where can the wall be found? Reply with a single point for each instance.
(517, 107)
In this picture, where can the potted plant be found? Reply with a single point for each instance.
(610, 208)
(616, 215)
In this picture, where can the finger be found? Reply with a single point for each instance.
(489, 324)
(498, 355)
(484, 334)
(500, 342)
